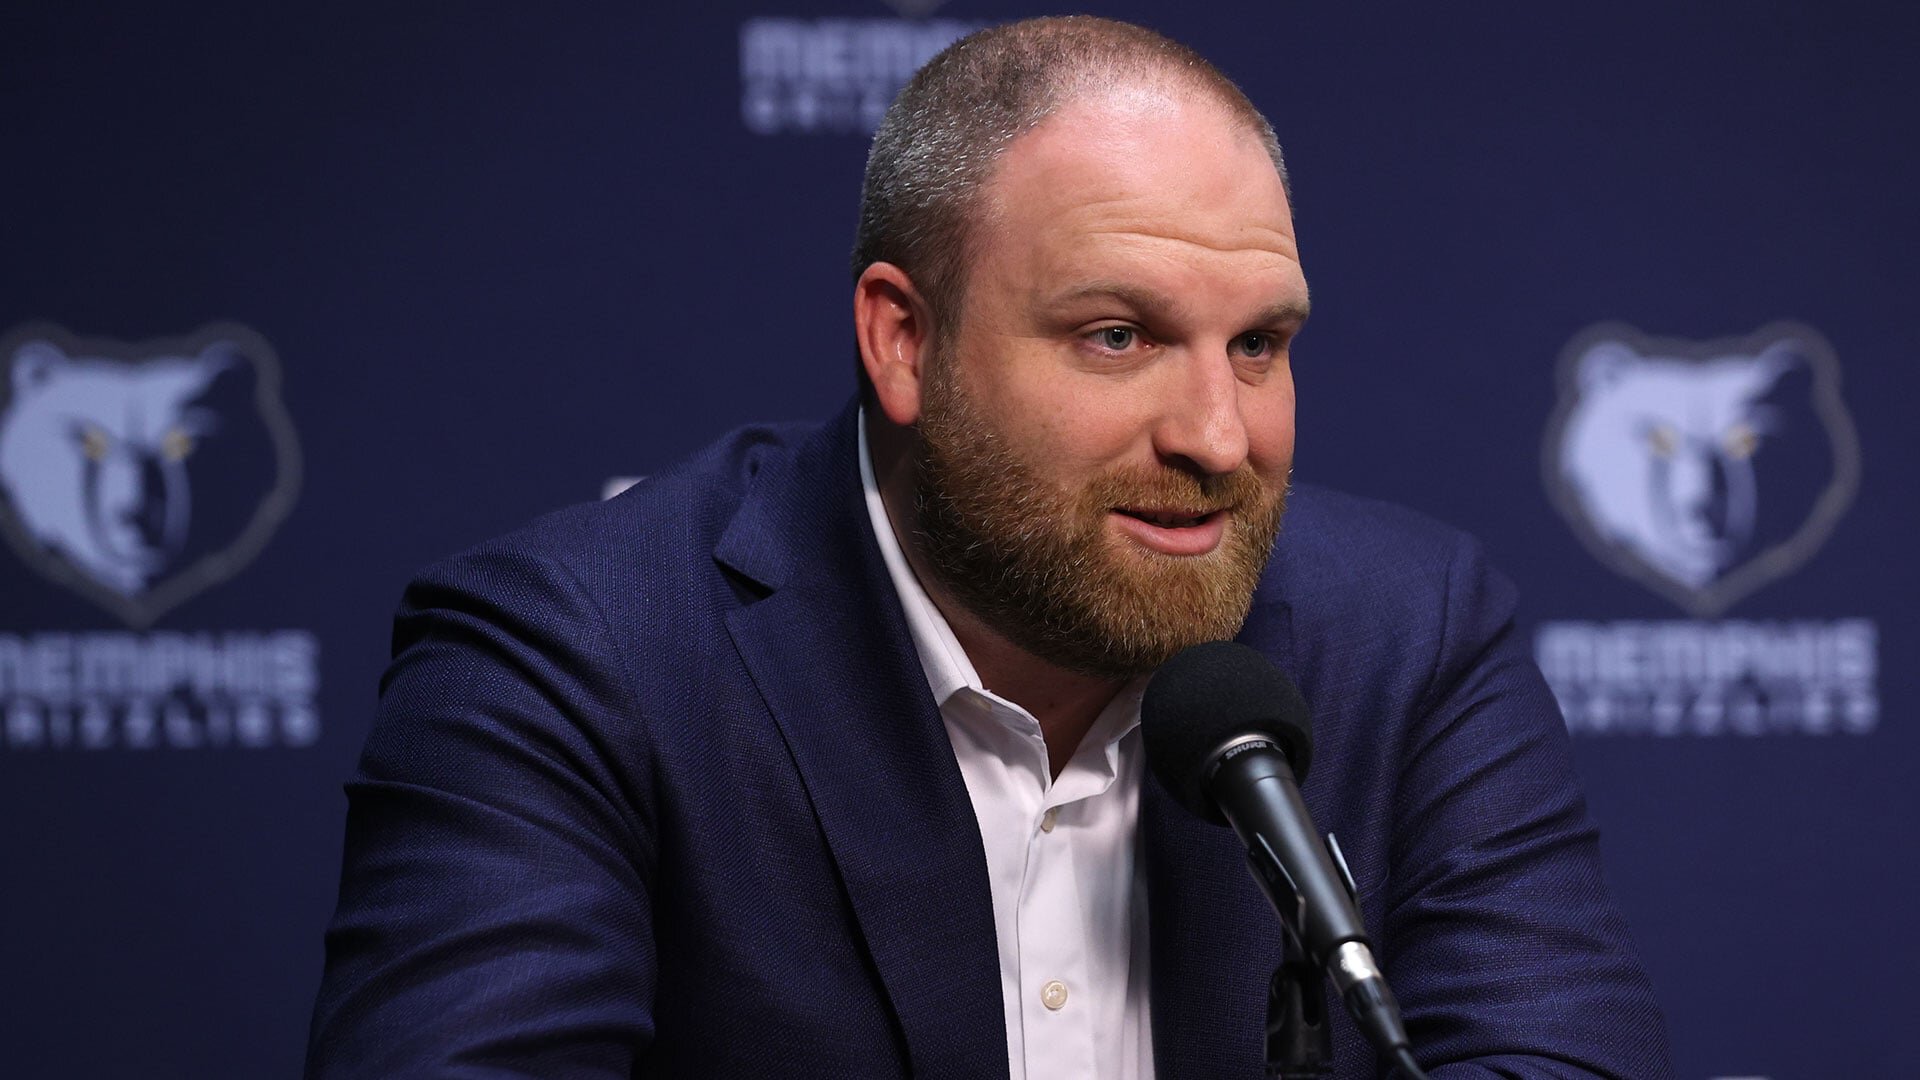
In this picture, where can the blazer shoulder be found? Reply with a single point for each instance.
(673, 516)
(1360, 556)
(1384, 604)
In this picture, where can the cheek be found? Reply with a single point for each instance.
(1066, 448)
(1061, 426)
(1270, 429)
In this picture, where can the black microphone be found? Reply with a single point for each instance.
(1230, 736)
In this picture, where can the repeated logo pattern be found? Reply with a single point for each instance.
(1703, 470)
(140, 474)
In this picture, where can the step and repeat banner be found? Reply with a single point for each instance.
(297, 301)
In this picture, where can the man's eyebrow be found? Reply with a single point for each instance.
(1150, 302)
(1293, 312)
(1137, 298)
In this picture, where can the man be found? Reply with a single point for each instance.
(818, 755)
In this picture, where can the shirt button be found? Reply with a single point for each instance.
(1054, 995)
(1047, 819)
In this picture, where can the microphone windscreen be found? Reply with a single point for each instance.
(1212, 693)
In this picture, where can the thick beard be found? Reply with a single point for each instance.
(1040, 567)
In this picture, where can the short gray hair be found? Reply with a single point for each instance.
(939, 142)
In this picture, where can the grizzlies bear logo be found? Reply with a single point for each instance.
(1701, 469)
(140, 475)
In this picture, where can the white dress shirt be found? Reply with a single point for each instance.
(1063, 855)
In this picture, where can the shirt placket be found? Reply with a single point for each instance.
(1057, 995)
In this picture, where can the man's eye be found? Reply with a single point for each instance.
(1117, 338)
(176, 445)
(1254, 344)
(95, 444)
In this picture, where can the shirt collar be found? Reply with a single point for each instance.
(946, 665)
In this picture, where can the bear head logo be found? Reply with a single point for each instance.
(1701, 469)
(138, 475)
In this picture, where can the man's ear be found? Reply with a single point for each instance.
(895, 330)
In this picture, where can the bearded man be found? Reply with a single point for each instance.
(819, 755)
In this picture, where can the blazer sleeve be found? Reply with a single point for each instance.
(493, 917)
(1509, 956)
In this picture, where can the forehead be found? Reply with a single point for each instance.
(1150, 178)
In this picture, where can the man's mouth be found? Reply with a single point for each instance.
(1172, 530)
(1168, 519)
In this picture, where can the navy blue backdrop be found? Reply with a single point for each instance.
(1626, 290)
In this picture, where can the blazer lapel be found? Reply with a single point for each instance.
(829, 651)
(1215, 940)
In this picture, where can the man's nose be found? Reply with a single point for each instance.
(1201, 426)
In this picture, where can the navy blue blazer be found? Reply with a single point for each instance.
(657, 787)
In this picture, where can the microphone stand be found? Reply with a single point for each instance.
(1299, 1042)
(1299, 1039)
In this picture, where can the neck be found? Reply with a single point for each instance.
(1066, 703)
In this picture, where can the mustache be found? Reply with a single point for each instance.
(1160, 487)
